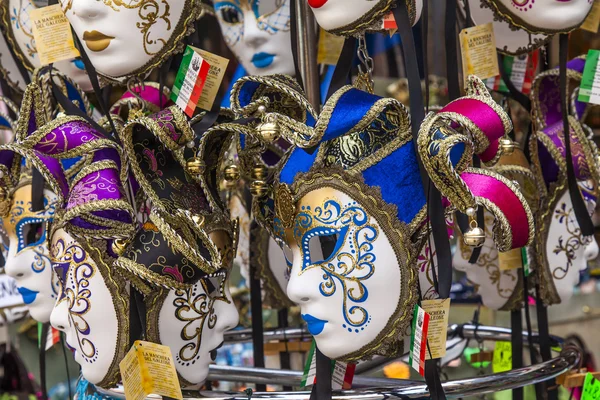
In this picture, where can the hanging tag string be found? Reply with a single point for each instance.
(93, 75)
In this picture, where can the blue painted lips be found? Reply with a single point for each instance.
(262, 60)
(315, 325)
(28, 295)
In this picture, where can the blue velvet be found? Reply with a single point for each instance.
(74, 94)
(326, 82)
(69, 162)
(456, 153)
(247, 92)
(4, 122)
(240, 72)
(350, 109)
(299, 161)
(400, 182)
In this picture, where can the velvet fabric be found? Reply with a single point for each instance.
(350, 108)
(497, 192)
(399, 180)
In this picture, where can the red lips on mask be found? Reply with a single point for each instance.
(317, 3)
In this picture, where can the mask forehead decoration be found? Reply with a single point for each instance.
(353, 17)
(560, 246)
(129, 39)
(344, 207)
(541, 16)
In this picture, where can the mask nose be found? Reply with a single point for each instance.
(16, 267)
(253, 35)
(227, 314)
(303, 287)
(85, 9)
(59, 318)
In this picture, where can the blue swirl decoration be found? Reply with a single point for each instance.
(349, 263)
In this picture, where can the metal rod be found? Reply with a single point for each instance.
(466, 331)
(307, 52)
(454, 389)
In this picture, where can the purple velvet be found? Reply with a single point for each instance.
(67, 137)
(580, 164)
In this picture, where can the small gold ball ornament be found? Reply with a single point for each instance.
(195, 166)
(507, 146)
(259, 188)
(259, 172)
(475, 237)
(119, 246)
(232, 173)
(269, 131)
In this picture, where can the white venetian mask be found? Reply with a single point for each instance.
(90, 309)
(567, 251)
(258, 33)
(344, 16)
(124, 38)
(16, 17)
(192, 323)
(543, 16)
(343, 289)
(29, 263)
(497, 287)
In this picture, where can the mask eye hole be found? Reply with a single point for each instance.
(31, 233)
(230, 14)
(214, 284)
(322, 245)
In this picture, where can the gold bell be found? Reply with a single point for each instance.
(259, 172)
(269, 131)
(259, 188)
(232, 173)
(119, 246)
(475, 236)
(507, 146)
(198, 219)
(195, 166)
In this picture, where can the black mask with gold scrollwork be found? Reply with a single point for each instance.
(181, 239)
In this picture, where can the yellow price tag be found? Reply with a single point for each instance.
(52, 34)
(439, 312)
(593, 19)
(330, 48)
(478, 48)
(148, 368)
(512, 259)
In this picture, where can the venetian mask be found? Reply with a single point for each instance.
(567, 250)
(91, 308)
(181, 256)
(28, 260)
(15, 15)
(351, 16)
(258, 33)
(508, 39)
(495, 274)
(497, 287)
(130, 38)
(542, 16)
(351, 212)
(562, 250)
